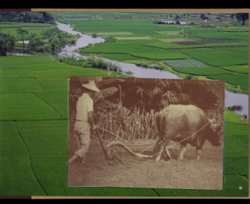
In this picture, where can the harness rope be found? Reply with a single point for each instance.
(176, 143)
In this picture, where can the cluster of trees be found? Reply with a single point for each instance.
(50, 41)
(22, 32)
(235, 108)
(158, 93)
(242, 17)
(203, 16)
(31, 17)
(91, 61)
(102, 64)
(7, 43)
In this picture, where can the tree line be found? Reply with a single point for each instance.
(241, 17)
(31, 17)
(7, 43)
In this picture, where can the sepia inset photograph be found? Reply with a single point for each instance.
(146, 133)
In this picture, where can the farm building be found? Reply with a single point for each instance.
(171, 22)
(167, 22)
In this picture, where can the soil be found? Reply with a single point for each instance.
(126, 170)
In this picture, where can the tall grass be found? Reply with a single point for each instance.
(91, 61)
(102, 64)
(122, 123)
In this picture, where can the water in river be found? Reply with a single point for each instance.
(138, 71)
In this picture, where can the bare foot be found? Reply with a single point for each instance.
(180, 158)
(111, 163)
(158, 158)
(72, 159)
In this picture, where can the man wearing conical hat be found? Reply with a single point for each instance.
(84, 116)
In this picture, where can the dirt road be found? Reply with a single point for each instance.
(128, 171)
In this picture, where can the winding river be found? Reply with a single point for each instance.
(138, 71)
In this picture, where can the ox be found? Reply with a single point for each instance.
(184, 124)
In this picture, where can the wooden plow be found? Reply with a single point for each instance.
(125, 145)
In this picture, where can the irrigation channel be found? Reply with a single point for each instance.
(138, 71)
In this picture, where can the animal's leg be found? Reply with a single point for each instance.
(167, 151)
(157, 144)
(182, 151)
(198, 154)
(162, 146)
(199, 146)
(160, 153)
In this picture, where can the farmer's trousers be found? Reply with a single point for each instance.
(82, 131)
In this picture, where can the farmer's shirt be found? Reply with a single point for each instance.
(83, 107)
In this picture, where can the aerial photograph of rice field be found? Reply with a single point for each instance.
(40, 51)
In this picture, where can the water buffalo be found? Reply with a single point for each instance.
(186, 124)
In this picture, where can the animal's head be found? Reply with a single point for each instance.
(214, 133)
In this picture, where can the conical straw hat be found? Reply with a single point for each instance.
(91, 86)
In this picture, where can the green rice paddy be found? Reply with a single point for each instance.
(186, 63)
(219, 56)
(221, 52)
